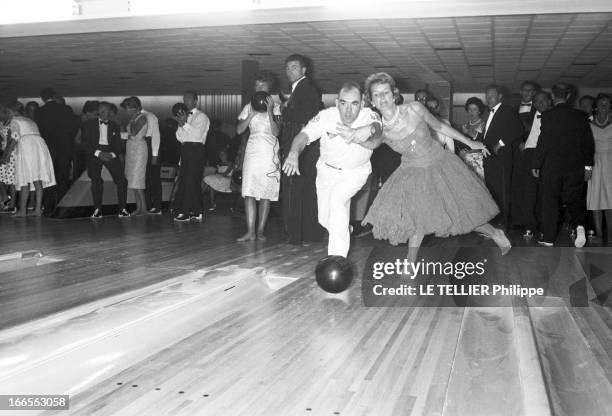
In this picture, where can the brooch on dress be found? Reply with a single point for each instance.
(413, 146)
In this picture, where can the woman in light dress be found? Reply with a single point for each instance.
(33, 164)
(261, 166)
(599, 193)
(432, 191)
(136, 153)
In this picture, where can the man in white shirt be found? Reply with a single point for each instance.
(192, 130)
(348, 134)
(153, 191)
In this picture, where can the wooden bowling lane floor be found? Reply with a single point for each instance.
(299, 351)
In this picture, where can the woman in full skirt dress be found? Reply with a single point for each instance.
(432, 191)
(33, 164)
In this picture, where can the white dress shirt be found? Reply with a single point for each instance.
(152, 131)
(335, 151)
(195, 129)
(534, 133)
(525, 107)
(490, 119)
(296, 83)
(103, 137)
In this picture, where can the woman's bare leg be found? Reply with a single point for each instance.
(496, 235)
(39, 196)
(251, 212)
(24, 193)
(264, 211)
(413, 246)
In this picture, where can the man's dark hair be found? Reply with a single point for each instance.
(90, 105)
(47, 94)
(494, 87)
(297, 57)
(193, 94)
(561, 91)
(535, 85)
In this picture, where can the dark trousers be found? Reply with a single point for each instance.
(299, 199)
(498, 178)
(188, 198)
(79, 162)
(561, 186)
(94, 170)
(524, 191)
(153, 191)
(62, 159)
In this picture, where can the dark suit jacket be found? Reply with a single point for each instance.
(57, 126)
(303, 103)
(302, 106)
(90, 136)
(565, 142)
(505, 126)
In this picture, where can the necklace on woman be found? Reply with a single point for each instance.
(604, 122)
(394, 118)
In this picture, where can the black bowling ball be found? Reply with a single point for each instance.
(259, 101)
(334, 274)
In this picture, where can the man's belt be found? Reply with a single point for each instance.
(333, 167)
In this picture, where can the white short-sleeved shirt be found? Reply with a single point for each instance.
(335, 151)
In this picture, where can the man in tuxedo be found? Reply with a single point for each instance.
(299, 193)
(521, 172)
(153, 189)
(57, 126)
(528, 200)
(563, 161)
(101, 140)
(587, 104)
(503, 128)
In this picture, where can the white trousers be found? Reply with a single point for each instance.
(335, 188)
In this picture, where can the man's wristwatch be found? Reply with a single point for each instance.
(589, 168)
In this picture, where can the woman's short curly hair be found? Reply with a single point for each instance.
(380, 78)
(477, 102)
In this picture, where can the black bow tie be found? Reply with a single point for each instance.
(104, 122)
(525, 104)
(190, 113)
(539, 116)
(492, 110)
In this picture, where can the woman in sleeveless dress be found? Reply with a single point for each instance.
(136, 153)
(261, 165)
(432, 191)
(33, 164)
(599, 193)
